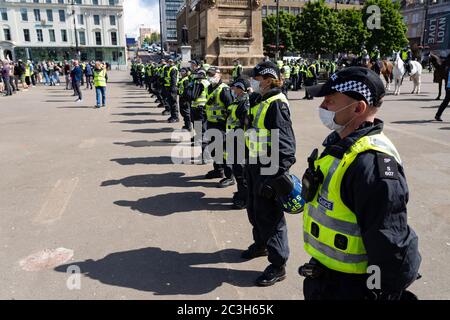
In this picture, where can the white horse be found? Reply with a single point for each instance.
(415, 74)
(398, 72)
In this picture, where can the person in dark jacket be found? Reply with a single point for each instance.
(355, 217)
(77, 75)
(89, 75)
(235, 124)
(269, 129)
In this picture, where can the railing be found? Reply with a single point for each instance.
(238, 3)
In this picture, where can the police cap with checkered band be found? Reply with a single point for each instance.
(356, 82)
(266, 68)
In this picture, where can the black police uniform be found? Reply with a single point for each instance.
(227, 99)
(232, 166)
(379, 202)
(172, 92)
(264, 212)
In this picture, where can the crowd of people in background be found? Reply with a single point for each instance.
(23, 75)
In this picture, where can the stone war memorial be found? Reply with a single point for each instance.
(220, 31)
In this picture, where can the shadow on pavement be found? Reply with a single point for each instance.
(170, 179)
(136, 107)
(166, 272)
(444, 128)
(150, 130)
(138, 102)
(430, 107)
(146, 143)
(177, 202)
(413, 121)
(76, 107)
(413, 99)
(151, 160)
(140, 121)
(135, 114)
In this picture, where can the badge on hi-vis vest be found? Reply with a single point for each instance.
(387, 166)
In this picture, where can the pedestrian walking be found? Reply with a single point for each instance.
(76, 75)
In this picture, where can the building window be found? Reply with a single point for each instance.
(26, 35)
(7, 34)
(115, 56)
(114, 38)
(4, 14)
(95, 2)
(64, 35)
(51, 34)
(112, 20)
(78, 1)
(24, 14)
(80, 19)
(96, 19)
(264, 11)
(49, 14)
(62, 15)
(60, 1)
(37, 15)
(98, 38)
(415, 18)
(48, 1)
(82, 38)
(36, 1)
(40, 36)
(112, 2)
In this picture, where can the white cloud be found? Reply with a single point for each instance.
(140, 12)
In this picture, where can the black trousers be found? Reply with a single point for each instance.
(165, 93)
(267, 218)
(444, 103)
(185, 111)
(171, 99)
(76, 88)
(221, 127)
(198, 116)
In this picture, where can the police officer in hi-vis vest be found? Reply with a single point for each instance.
(355, 217)
(217, 100)
(269, 115)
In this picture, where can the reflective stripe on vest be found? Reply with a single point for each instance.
(258, 136)
(202, 99)
(100, 78)
(330, 229)
(215, 108)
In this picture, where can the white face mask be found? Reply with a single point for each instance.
(255, 84)
(327, 118)
(213, 80)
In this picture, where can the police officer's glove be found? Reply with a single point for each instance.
(267, 191)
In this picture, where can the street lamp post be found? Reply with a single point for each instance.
(75, 29)
(161, 26)
(277, 53)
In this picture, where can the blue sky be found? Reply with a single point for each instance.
(140, 12)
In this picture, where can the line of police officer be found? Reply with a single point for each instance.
(355, 192)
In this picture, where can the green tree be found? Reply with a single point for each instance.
(287, 29)
(391, 34)
(318, 29)
(354, 31)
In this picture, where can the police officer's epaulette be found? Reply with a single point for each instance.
(387, 166)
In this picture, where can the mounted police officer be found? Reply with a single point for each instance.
(269, 118)
(356, 194)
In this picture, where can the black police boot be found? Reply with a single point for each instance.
(254, 252)
(271, 275)
(225, 182)
(173, 120)
(239, 202)
(160, 105)
(213, 174)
